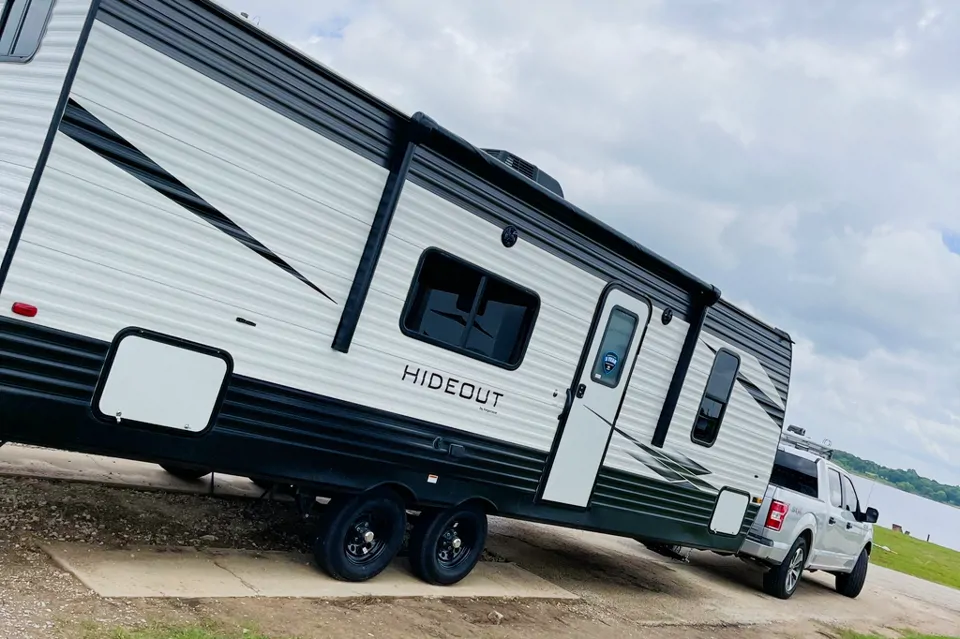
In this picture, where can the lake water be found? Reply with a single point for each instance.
(916, 514)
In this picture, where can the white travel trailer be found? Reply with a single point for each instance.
(219, 253)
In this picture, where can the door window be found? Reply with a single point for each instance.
(608, 365)
(836, 492)
(850, 500)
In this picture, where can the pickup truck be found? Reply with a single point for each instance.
(810, 519)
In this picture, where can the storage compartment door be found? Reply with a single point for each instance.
(163, 382)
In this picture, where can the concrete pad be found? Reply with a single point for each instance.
(45, 463)
(190, 573)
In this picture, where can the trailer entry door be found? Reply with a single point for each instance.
(598, 392)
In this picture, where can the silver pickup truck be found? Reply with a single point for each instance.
(810, 519)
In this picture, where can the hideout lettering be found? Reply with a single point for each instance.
(452, 386)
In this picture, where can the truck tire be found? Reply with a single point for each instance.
(782, 581)
(850, 584)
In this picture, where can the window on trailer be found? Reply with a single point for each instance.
(466, 309)
(22, 24)
(716, 396)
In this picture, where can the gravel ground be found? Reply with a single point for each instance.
(625, 591)
(35, 509)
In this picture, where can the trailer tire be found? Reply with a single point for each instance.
(185, 472)
(782, 581)
(850, 584)
(343, 548)
(446, 545)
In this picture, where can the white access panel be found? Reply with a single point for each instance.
(728, 514)
(161, 384)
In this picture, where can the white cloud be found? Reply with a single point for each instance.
(801, 155)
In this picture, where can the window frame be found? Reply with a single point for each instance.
(855, 506)
(830, 473)
(485, 274)
(5, 14)
(725, 403)
(626, 354)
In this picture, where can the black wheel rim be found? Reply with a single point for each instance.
(457, 542)
(367, 538)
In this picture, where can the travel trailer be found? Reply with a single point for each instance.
(219, 253)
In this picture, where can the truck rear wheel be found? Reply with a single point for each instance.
(850, 584)
(782, 581)
(446, 545)
(361, 535)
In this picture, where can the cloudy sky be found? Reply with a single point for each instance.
(803, 156)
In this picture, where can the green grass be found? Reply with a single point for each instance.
(170, 632)
(855, 635)
(916, 557)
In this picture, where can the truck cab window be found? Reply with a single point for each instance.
(716, 396)
(22, 25)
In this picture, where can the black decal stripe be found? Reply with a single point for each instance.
(671, 467)
(668, 474)
(85, 128)
(604, 419)
(771, 409)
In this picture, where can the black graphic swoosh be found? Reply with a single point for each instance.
(85, 128)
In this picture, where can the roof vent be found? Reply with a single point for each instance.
(526, 169)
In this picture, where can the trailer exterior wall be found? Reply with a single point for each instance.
(186, 217)
(30, 104)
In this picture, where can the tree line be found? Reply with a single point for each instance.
(906, 480)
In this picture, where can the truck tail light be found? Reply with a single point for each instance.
(776, 515)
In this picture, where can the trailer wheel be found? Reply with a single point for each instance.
(187, 473)
(782, 581)
(446, 545)
(361, 535)
(850, 584)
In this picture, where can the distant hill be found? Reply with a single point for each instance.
(906, 480)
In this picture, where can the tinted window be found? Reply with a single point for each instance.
(715, 398)
(608, 365)
(836, 495)
(22, 24)
(795, 473)
(458, 306)
(850, 500)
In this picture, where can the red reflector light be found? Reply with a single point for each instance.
(778, 512)
(19, 308)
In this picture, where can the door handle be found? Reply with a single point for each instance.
(581, 389)
(849, 525)
(568, 402)
(832, 521)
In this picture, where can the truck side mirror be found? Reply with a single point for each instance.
(871, 516)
